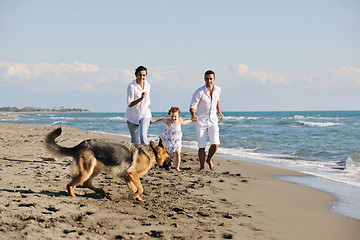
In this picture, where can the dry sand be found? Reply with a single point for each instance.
(239, 200)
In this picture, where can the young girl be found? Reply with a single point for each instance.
(172, 134)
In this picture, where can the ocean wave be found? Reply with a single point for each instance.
(65, 118)
(58, 122)
(301, 117)
(232, 118)
(84, 118)
(254, 118)
(353, 165)
(350, 174)
(240, 118)
(116, 118)
(319, 124)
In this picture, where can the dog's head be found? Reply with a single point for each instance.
(161, 152)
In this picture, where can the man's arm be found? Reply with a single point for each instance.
(194, 118)
(221, 116)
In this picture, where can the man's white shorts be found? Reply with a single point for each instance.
(212, 131)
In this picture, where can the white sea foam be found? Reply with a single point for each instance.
(319, 124)
(240, 118)
(65, 118)
(232, 118)
(117, 118)
(58, 122)
(350, 174)
(254, 118)
(300, 117)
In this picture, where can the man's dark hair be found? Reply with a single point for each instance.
(209, 72)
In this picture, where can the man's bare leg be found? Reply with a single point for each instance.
(212, 150)
(202, 155)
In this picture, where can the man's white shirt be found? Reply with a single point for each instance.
(205, 105)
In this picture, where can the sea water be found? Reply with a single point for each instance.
(324, 144)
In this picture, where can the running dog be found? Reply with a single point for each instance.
(120, 159)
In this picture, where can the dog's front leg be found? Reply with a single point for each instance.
(139, 187)
(130, 183)
(135, 185)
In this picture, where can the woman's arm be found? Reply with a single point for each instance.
(133, 103)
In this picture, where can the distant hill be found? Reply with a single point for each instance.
(33, 109)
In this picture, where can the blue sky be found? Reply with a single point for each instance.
(267, 55)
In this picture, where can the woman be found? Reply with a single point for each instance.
(138, 112)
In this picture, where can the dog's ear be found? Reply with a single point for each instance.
(152, 144)
(160, 142)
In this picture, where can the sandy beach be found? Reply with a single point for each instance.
(239, 200)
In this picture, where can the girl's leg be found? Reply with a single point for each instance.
(134, 132)
(178, 160)
(144, 126)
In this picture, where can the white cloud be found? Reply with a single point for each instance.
(347, 74)
(84, 84)
(17, 70)
(62, 76)
(88, 87)
(243, 74)
(61, 71)
(337, 78)
(170, 75)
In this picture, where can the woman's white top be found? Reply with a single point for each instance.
(142, 109)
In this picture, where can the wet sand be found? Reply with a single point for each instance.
(239, 200)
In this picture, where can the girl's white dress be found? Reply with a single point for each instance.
(171, 138)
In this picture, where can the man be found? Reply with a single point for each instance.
(205, 101)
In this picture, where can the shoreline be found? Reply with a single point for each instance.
(241, 199)
(347, 195)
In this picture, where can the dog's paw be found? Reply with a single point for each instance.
(139, 198)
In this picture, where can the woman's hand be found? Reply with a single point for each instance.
(133, 103)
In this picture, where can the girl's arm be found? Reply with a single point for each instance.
(184, 122)
(161, 119)
(156, 120)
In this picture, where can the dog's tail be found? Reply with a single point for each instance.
(52, 146)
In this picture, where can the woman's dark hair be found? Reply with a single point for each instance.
(174, 110)
(140, 68)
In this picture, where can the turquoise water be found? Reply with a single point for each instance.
(325, 144)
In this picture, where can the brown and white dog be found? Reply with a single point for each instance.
(120, 159)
